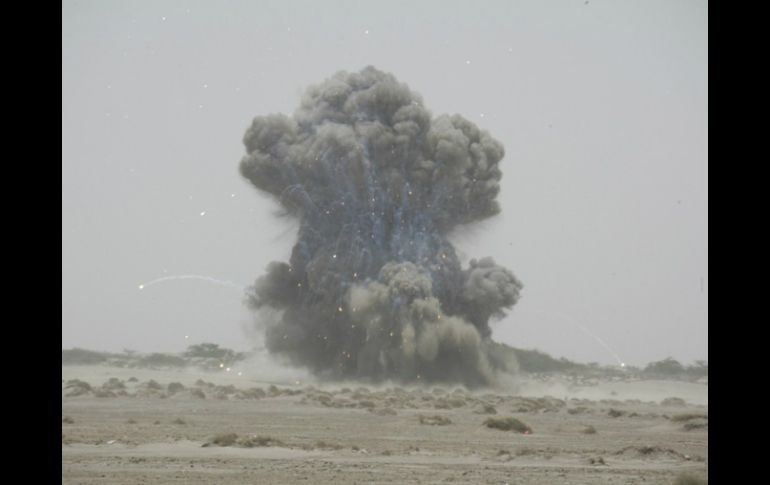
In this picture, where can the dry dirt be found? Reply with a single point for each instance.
(120, 430)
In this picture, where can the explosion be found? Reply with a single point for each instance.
(374, 289)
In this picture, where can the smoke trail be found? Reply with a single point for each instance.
(192, 277)
(373, 288)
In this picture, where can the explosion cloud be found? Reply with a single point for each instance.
(374, 289)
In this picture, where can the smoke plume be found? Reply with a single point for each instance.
(374, 289)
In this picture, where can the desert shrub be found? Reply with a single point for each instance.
(434, 420)
(163, 360)
(133, 379)
(114, 384)
(153, 384)
(179, 421)
(229, 389)
(131, 421)
(210, 351)
(680, 418)
(77, 383)
(507, 424)
(485, 408)
(67, 420)
(78, 356)
(589, 430)
(673, 401)
(700, 369)
(259, 441)
(198, 393)
(175, 387)
(534, 361)
(691, 426)
(668, 367)
(329, 446)
(614, 413)
(225, 439)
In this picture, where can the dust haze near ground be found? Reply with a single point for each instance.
(132, 425)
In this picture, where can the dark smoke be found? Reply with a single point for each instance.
(374, 289)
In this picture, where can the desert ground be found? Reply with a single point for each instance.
(140, 426)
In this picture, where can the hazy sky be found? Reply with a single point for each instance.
(602, 107)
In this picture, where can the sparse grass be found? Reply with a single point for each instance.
(387, 453)
(179, 421)
(434, 420)
(589, 430)
(67, 420)
(507, 424)
(689, 479)
(131, 421)
(133, 379)
(615, 413)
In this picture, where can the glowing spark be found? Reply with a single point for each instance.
(193, 277)
(221, 365)
(228, 369)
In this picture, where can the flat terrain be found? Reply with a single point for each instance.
(136, 426)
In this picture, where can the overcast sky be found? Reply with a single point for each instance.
(602, 107)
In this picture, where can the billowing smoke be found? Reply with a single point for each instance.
(374, 289)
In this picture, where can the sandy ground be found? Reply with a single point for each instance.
(126, 430)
